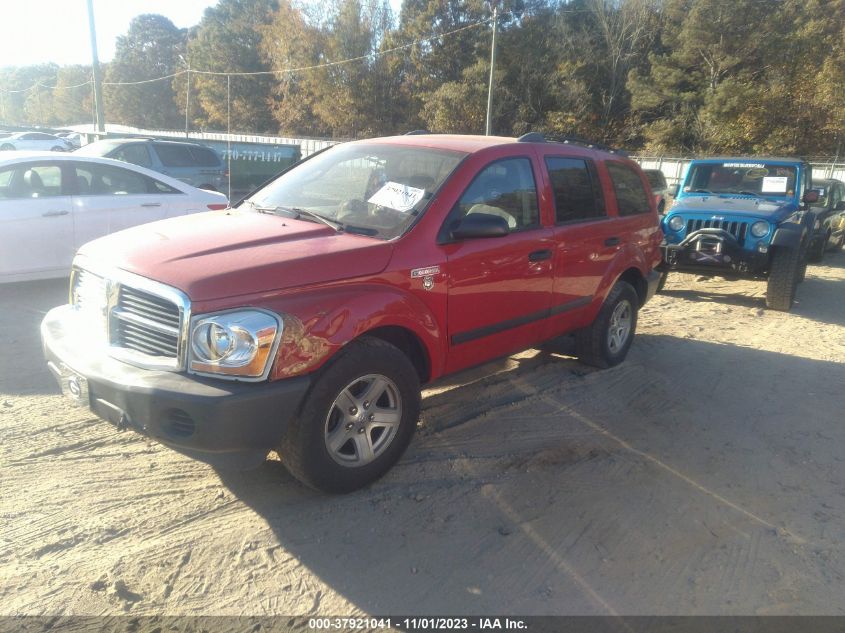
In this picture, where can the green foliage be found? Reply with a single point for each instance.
(153, 47)
(665, 76)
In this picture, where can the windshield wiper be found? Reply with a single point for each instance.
(297, 213)
(337, 226)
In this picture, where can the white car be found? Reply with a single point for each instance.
(51, 204)
(35, 141)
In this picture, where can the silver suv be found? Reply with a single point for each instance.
(192, 163)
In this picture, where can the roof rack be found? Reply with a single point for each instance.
(538, 137)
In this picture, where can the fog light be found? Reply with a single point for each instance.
(762, 248)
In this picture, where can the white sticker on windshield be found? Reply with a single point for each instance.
(397, 196)
(774, 184)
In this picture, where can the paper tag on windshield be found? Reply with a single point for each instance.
(774, 184)
(397, 196)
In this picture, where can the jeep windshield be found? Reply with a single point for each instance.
(372, 189)
(742, 178)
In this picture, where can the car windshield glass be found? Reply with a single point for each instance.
(98, 148)
(370, 188)
(655, 179)
(746, 178)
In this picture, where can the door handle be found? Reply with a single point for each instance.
(612, 241)
(54, 214)
(539, 256)
(151, 204)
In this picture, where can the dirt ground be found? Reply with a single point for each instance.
(706, 475)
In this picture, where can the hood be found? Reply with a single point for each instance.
(228, 253)
(773, 210)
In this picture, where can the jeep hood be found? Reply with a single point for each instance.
(773, 210)
(228, 253)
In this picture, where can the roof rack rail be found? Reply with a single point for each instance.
(415, 132)
(532, 137)
(538, 137)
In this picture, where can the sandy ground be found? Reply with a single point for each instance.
(706, 475)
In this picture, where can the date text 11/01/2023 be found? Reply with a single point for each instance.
(417, 623)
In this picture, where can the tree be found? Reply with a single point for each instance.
(228, 40)
(73, 97)
(152, 48)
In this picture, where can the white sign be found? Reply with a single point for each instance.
(397, 196)
(743, 165)
(774, 184)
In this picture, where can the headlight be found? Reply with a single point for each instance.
(759, 229)
(238, 343)
(676, 223)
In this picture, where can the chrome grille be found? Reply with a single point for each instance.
(738, 229)
(146, 323)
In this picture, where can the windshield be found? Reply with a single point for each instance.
(98, 148)
(754, 179)
(369, 188)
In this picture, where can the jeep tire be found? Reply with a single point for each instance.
(784, 274)
(356, 420)
(606, 341)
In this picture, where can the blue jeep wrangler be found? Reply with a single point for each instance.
(743, 218)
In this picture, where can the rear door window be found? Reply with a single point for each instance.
(577, 195)
(631, 197)
(103, 180)
(136, 153)
(204, 157)
(31, 181)
(174, 155)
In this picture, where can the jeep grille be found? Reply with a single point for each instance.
(737, 229)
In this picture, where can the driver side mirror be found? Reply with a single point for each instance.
(811, 196)
(480, 225)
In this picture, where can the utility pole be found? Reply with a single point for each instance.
(489, 126)
(187, 97)
(98, 78)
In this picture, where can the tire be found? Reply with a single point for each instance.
(816, 253)
(57, 149)
(661, 283)
(7, 147)
(784, 276)
(603, 343)
(326, 445)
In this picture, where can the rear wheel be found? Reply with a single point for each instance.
(7, 147)
(784, 276)
(356, 421)
(606, 341)
(56, 148)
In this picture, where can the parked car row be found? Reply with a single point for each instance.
(51, 204)
(35, 141)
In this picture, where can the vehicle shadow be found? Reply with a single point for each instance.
(654, 475)
(23, 369)
(820, 297)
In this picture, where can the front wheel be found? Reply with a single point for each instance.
(7, 147)
(606, 341)
(357, 419)
(784, 275)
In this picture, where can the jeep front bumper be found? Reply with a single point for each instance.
(712, 251)
(222, 422)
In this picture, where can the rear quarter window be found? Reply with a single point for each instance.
(631, 196)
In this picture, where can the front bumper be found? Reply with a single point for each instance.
(713, 252)
(222, 422)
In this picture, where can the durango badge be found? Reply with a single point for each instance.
(427, 274)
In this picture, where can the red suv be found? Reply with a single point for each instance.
(305, 319)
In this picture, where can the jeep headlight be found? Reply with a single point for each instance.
(239, 344)
(759, 229)
(676, 223)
